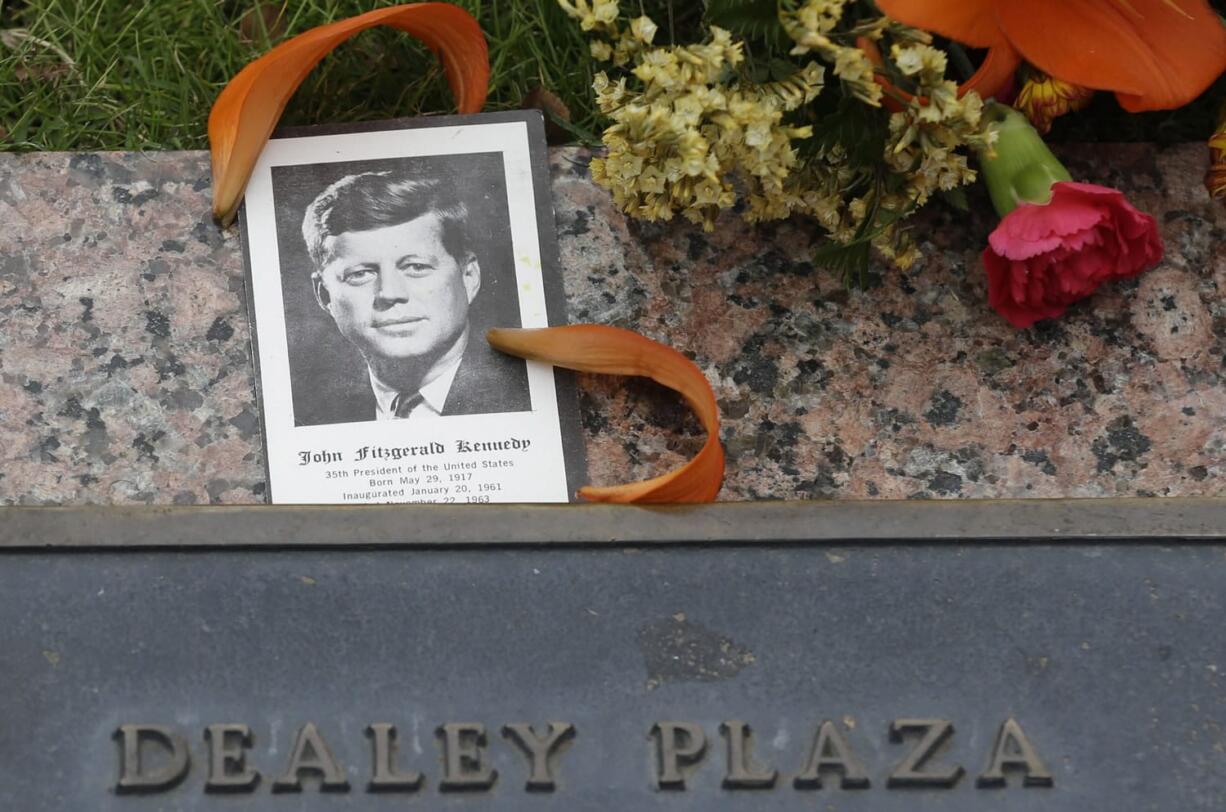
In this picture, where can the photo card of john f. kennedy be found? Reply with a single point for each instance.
(378, 255)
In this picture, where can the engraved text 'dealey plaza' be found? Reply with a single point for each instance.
(157, 758)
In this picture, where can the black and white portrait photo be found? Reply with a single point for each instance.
(378, 256)
(392, 271)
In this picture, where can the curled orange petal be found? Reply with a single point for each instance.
(613, 351)
(244, 115)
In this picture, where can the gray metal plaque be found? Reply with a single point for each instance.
(262, 668)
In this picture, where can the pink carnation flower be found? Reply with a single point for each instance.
(1043, 257)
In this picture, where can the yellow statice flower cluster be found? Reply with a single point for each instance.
(926, 134)
(811, 26)
(598, 15)
(689, 134)
(601, 18)
(921, 153)
(850, 205)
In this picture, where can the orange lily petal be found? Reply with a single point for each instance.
(1155, 54)
(969, 21)
(244, 115)
(613, 351)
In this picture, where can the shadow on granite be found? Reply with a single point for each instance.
(124, 347)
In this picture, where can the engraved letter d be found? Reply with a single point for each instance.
(132, 778)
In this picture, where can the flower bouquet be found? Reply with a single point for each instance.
(857, 115)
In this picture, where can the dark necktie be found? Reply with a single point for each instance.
(401, 405)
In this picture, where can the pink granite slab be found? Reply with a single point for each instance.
(127, 377)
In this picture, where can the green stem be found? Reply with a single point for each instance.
(1020, 168)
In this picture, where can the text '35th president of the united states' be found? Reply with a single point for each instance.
(395, 266)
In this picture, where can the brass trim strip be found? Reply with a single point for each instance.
(1041, 520)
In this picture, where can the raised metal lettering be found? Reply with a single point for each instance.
(911, 773)
(831, 752)
(1014, 751)
(385, 777)
(464, 766)
(539, 750)
(133, 777)
(678, 744)
(228, 771)
(742, 773)
(311, 755)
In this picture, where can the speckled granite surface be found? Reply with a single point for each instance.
(127, 377)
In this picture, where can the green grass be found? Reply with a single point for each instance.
(145, 73)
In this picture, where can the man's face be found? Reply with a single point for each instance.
(396, 292)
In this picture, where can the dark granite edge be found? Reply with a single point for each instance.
(1021, 520)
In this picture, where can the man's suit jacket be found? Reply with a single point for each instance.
(486, 382)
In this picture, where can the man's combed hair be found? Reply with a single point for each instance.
(373, 200)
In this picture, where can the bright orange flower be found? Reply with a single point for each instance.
(614, 351)
(248, 108)
(1154, 54)
(1045, 98)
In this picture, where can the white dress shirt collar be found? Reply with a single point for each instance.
(433, 395)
